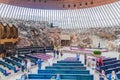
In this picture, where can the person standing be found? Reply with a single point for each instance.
(119, 57)
(112, 76)
(54, 52)
(23, 65)
(50, 61)
(58, 77)
(28, 65)
(102, 75)
(57, 53)
(39, 62)
(100, 61)
(61, 54)
(99, 45)
(24, 76)
(60, 51)
(78, 56)
(85, 59)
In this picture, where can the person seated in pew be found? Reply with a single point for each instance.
(39, 62)
(17, 69)
(112, 76)
(7, 71)
(52, 78)
(24, 76)
(58, 77)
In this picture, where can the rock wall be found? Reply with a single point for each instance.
(35, 33)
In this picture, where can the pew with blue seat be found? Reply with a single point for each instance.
(110, 66)
(66, 67)
(22, 57)
(69, 64)
(111, 62)
(49, 49)
(108, 71)
(63, 61)
(70, 70)
(62, 76)
(11, 67)
(23, 51)
(47, 79)
(63, 71)
(32, 59)
(29, 56)
(12, 62)
(4, 72)
(16, 59)
(118, 74)
(109, 59)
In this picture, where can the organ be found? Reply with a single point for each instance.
(1, 31)
(8, 37)
(8, 34)
(8, 31)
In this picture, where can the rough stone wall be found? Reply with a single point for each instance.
(34, 33)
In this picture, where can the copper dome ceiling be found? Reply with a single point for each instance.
(107, 15)
(57, 4)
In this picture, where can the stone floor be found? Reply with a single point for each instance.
(15, 76)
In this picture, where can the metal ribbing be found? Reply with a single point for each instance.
(101, 16)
